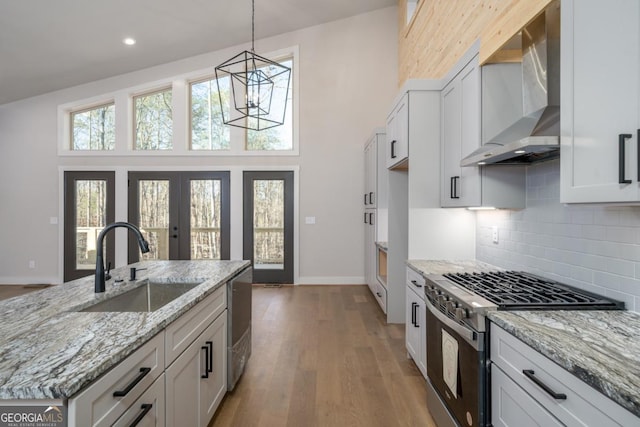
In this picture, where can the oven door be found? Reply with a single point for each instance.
(456, 370)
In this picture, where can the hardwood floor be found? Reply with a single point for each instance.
(324, 356)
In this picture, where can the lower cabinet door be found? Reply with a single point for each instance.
(148, 410)
(196, 380)
(511, 406)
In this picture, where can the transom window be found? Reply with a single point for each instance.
(208, 132)
(153, 121)
(93, 128)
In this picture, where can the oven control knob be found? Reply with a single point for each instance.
(451, 306)
(461, 313)
(442, 299)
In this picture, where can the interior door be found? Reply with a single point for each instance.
(89, 205)
(268, 225)
(183, 215)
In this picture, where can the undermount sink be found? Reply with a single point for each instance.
(150, 296)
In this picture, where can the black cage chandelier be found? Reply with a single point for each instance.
(259, 88)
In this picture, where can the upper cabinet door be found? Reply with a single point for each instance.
(599, 101)
(460, 103)
(398, 134)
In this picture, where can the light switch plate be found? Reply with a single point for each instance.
(494, 234)
(310, 220)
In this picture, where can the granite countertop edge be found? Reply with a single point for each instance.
(33, 365)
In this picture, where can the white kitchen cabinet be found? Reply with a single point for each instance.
(397, 153)
(196, 381)
(498, 186)
(600, 87)
(106, 399)
(148, 410)
(519, 375)
(375, 203)
(415, 324)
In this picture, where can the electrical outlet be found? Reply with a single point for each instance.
(494, 234)
(32, 264)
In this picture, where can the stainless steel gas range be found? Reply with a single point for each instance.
(458, 387)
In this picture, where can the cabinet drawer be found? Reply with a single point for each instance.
(380, 293)
(415, 281)
(97, 405)
(181, 333)
(511, 406)
(148, 410)
(583, 404)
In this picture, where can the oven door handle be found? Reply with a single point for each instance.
(467, 334)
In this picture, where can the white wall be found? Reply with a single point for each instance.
(593, 247)
(347, 80)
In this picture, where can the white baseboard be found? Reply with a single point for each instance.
(308, 280)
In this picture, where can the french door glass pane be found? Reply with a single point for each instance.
(268, 220)
(205, 218)
(91, 201)
(154, 217)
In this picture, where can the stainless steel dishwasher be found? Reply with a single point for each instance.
(238, 325)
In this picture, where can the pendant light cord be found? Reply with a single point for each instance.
(253, 25)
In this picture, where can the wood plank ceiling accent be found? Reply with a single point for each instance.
(441, 31)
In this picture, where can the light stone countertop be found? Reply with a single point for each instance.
(427, 267)
(602, 348)
(48, 350)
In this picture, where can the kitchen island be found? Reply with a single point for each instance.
(50, 351)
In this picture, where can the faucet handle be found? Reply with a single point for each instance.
(107, 276)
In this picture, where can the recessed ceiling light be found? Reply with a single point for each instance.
(520, 151)
(129, 41)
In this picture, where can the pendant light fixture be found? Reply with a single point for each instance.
(259, 88)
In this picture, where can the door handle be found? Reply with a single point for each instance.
(622, 138)
(453, 187)
(413, 313)
(206, 361)
(393, 149)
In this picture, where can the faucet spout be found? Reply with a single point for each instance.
(100, 276)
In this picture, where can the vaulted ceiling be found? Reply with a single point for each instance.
(46, 45)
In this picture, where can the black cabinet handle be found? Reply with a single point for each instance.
(132, 384)
(206, 361)
(531, 375)
(371, 218)
(453, 187)
(638, 142)
(416, 284)
(393, 149)
(371, 197)
(415, 315)
(621, 157)
(365, 199)
(146, 407)
(365, 218)
(379, 294)
(210, 359)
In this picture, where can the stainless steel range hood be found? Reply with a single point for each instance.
(521, 101)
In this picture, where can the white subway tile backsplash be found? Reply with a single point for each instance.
(593, 247)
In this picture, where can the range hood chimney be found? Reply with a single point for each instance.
(521, 102)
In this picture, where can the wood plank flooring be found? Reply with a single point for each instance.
(324, 356)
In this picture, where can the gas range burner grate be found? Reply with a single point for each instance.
(514, 290)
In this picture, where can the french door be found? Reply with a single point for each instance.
(89, 205)
(268, 225)
(183, 215)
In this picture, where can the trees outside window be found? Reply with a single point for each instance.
(94, 128)
(153, 121)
